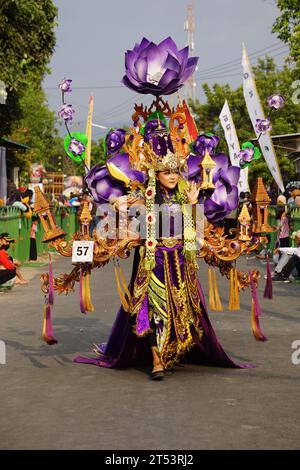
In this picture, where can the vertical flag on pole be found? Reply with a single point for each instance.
(255, 111)
(89, 133)
(233, 145)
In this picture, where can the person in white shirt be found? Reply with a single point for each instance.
(289, 262)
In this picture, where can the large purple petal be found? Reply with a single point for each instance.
(220, 196)
(107, 190)
(188, 71)
(172, 86)
(232, 198)
(172, 63)
(140, 47)
(183, 56)
(130, 59)
(121, 161)
(194, 168)
(168, 44)
(141, 67)
(125, 80)
(167, 77)
(102, 186)
(233, 174)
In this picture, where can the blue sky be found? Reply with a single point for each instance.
(93, 35)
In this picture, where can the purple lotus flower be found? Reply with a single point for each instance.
(246, 155)
(115, 140)
(276, 101)
(263, 125)
(150, 128)
(65, 85)
(76, 147)
(157, 69)
(205, 142)
(66, 112)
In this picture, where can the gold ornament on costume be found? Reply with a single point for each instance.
(42, 208)
(244, 219)
(207, 166)
(141, 154)
(260, 202)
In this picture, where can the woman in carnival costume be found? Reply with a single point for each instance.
(162, 161)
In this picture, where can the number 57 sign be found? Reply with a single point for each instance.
(82, 251)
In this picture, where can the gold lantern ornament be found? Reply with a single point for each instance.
(260, 202)
(244, 220)
(42, 208)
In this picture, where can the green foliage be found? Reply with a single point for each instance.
(284, 121)
(27, 42)
(36, 128)
(287, 27)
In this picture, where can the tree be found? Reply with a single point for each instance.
(269, 79)
(36, 128)
(27, 42)
(287, 27)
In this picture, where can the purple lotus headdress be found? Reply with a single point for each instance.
(157, 69)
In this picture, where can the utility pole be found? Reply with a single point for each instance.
(189, 26)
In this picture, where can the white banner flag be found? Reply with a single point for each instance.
(233, 145)
(255, 111)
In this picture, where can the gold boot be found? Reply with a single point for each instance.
(158, 368)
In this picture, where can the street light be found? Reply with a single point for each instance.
(3, 93)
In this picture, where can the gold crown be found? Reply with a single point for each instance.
(170, 161)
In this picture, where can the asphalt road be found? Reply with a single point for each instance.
(49, 402)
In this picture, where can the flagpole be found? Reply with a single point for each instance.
(89, 133)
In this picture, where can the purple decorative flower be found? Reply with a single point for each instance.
(151, 127)
(103, 186)
(263, 125)
(246, 155)
(65, 85)
(276, 101)
(66, 112)
(225, 177)
(205, 142)
(225, 197)
(76, 147)
(115, 140)
(157, 69)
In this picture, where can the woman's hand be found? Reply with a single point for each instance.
(193, 192)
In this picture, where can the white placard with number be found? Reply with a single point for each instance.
(82, 251)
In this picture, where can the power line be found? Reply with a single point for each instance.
(234, 67)
(224, 74)
(255, 53)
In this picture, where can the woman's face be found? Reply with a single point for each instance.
(168, 178)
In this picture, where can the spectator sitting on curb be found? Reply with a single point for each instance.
(9, 266)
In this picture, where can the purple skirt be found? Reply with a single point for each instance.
(128, 347)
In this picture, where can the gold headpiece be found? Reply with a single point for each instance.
(141, 154)
(170, 161)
